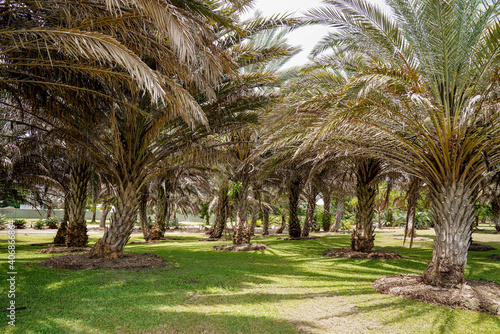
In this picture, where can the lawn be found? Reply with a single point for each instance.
(289, 288)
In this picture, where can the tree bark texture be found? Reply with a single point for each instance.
(293, 205)
(283, 224)
(453, 213)
(265, 221)
(122, 223)
(105, 211)
(221, 211)
(495, 207)
(241, 233)
(311, 205)
(159, 226)
(143, 214)
(77, 227)
(60, 237)
(411, 197)
(327, 216)
(339, 214)
(253, 220)
(362, 239)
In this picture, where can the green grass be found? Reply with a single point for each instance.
(289, 288)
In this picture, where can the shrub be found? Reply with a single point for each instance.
(38, 225)
(51, 222)
(19, 223)
(3, 221)
(422, 220)
(174, 222)
(347, 224)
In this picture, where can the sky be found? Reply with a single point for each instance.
(306, 37)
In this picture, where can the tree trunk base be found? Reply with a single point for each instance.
(497, 227)
(446, 276)
(77, 236)
(155, 234)
(361, 243)
(60, 237)
(241, 236)
(103, 250)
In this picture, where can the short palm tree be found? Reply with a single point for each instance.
(420, 77)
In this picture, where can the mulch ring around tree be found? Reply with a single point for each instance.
(59, 250)
(84, 262)
(215, 239)
(48, 244)
(479, 296)
(475, 247)
(298, 238)
(350, 254)
(153, 241)
(241, 248)
(495, 257)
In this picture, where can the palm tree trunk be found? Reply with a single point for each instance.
(105, 211)
(283, 224)
(60, 237)
(495, 207)
(221, 211)
(241, 234)
(158, 229)
(412, 209)
(122, 223)
(327, 216)
(143, 214)
(311, 205)
(254, 217)
(340, 212)
(453, 212)
(49, 211)
(77, 227)
(94, 214)
(366, 191)
(293, 205)
(265, 221)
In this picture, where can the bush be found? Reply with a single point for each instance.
(51, 222)
(3, 221)
(19, 223)
(422, 220)
(174, 222)
(38, 225)
(347, 224)
(259, 223)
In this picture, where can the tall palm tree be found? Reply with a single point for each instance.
(421, 75)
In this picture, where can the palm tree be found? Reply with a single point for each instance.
(420, 76)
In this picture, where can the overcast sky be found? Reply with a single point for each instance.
(306, 37)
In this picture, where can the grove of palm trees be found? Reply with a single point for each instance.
(339, 196)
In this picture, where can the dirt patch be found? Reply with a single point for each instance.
(475, 247)
(241, 248)
(48, 244)
(298, 238)
(492, 232)
(414, 239)
(495, 257)
(64, 250)
(350, 254)
(476, 296)
(84, 262)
